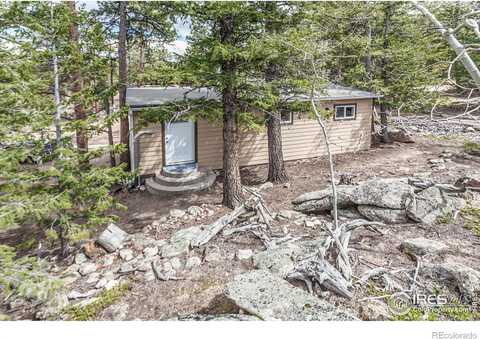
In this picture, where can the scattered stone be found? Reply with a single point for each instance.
(286, 185)
(400, 135)
(432, 203)
(176, 264)
(386, 215)
(193, 262)
(93, 278)
(374, 310)
(112, 238)
(111, 284)
(87, 268)
(195, 211)
(423, 246)
(163, 270)
(149, 276)
(80, 258)
(177, 213)
(457, 276)
(91, 250)
(126, 254)
(270, 297)
(213, 256)
(144, 265)
(81, 295)
(470, 129)
(126, 268)
(244, 254)
(107, 260)
(436, 161)
(117, 312)
(150, 251)
(180, 242)
(309, 224)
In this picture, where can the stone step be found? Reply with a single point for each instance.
(191, 179)
(163, 190)
(179, 171)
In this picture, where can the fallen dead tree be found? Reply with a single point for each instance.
(316, 268)
(254, 203)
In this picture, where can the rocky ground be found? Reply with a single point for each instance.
(235, 275)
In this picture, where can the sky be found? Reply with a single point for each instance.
(177, 47)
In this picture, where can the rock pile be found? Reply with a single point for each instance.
(450, 128)
(392, 201)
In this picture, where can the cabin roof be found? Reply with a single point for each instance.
(138, 97)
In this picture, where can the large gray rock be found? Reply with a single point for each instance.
(387, 193)
(281, 260)
(180, 242)
(458, 276)
(112, 238)
(423, 246)
(216, 317)
(269, 297)
(386, 215)
(321, 201)
(431, 203)
(348, 213)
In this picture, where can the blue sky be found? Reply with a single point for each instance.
(178, 46)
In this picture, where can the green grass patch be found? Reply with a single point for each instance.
(446, 218)
(471, 147)
(104, 299)
(458, 313)
(472, 218)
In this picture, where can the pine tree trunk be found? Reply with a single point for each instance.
(385, 64)
(108, 108)
(368, 54)
(232, 186)
(122, 74)
(277, 172)
(77, 84)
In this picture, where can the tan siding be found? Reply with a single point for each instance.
(302, 139)
(150, 149)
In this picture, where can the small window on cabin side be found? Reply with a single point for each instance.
(286, 118)
(345, 112)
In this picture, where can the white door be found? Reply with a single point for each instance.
(179, 142)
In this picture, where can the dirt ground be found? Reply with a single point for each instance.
(201, 290)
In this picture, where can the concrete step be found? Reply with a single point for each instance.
(190, 179)
(179, 171)
(163, 190)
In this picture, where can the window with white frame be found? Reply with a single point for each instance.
(345, 112)
(286, 118)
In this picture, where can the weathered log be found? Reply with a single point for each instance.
(253, 202)
(317, 269)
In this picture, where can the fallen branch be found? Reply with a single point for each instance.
(252, 203)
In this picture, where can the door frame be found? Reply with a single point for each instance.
(195, 138)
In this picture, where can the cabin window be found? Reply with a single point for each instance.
(345, 112)
(286, 118)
